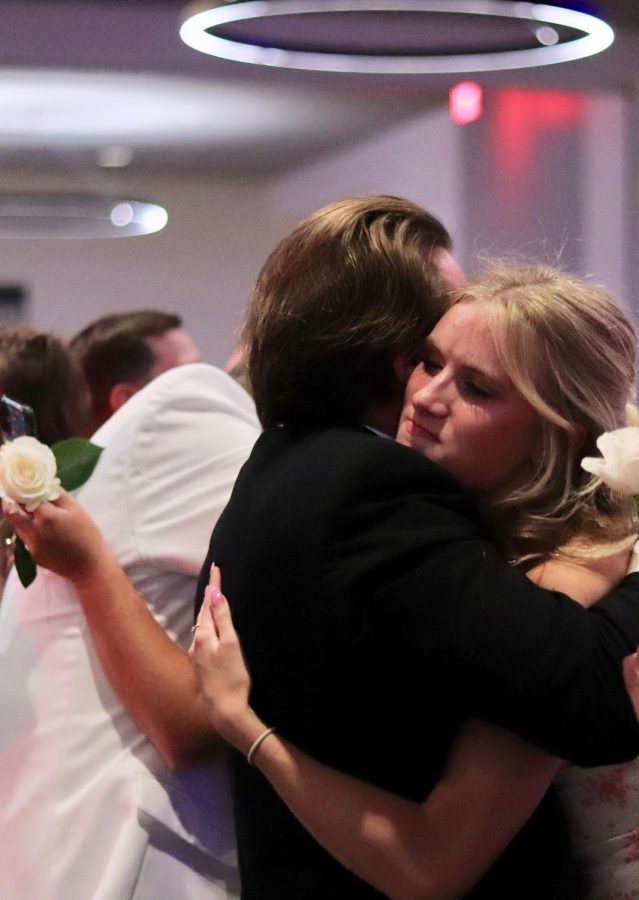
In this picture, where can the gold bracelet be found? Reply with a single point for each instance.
(255, 746)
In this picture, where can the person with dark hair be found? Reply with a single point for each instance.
(122, 352)
(349, 292)
(37, 369)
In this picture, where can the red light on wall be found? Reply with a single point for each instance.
(466, 102)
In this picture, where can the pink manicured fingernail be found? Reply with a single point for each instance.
(213, 568)
(216, 597)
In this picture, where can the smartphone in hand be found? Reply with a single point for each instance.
(16, 419)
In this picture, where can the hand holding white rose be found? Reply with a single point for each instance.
(62, 538)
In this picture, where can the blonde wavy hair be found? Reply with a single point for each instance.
(570, 350)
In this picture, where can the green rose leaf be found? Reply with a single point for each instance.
(76, 459)
(25, 566)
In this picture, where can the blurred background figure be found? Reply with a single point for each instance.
(122, 352)
(237, 369)
(37, 369)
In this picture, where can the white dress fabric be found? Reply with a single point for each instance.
(602, 805)
(88, 810)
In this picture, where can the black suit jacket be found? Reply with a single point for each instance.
(375, 618)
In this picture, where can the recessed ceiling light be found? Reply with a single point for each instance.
(77, 216)
(594, 35)
(547, 35)
(49, 108)
(117, 156)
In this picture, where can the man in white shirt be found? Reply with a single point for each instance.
(92, 807)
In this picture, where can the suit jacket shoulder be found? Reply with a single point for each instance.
(340, 532)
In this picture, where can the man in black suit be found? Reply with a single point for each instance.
(330, 527)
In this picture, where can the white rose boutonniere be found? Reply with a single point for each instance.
(32, 472)
(619, 465)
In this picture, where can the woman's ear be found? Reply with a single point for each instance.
(120, 393)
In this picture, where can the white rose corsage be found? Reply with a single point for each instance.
(32, 472)
(619, 463)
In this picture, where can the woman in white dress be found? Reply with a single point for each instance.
(92, 807)
(518, 380)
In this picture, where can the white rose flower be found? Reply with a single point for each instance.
(619, 467)
(27, 473)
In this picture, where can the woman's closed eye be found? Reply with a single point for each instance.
(476, 391)
(431, 366)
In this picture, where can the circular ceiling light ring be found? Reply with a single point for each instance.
(597, 36)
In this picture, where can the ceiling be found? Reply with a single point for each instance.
(185, 111)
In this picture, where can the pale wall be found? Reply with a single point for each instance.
(202, 264)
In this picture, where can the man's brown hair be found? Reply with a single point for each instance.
(350, 290)
(114, 349)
